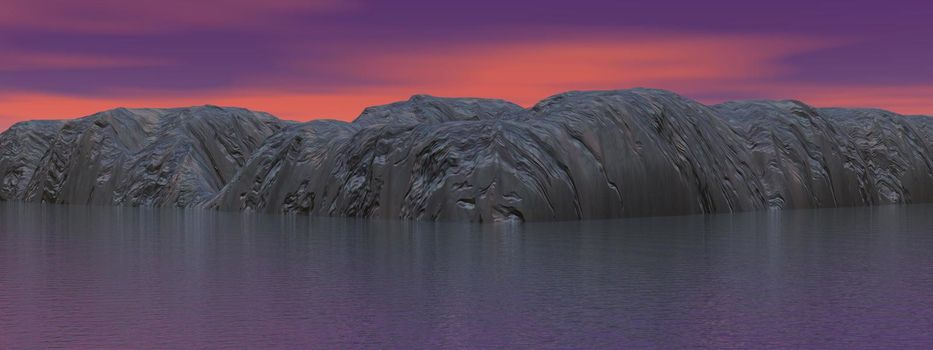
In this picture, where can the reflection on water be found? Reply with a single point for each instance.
(81, 277)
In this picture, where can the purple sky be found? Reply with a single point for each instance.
(329, 58)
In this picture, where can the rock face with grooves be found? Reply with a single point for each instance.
(151, 157)
(802, 159)
(896, 154)
(21, 147)
(577, 155)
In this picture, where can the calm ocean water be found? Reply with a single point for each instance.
(80, 277)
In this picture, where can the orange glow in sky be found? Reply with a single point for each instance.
(706, 67)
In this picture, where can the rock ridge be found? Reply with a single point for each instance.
(576, 155)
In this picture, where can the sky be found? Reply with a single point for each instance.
(312, 59)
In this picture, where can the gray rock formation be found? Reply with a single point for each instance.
(152, 157)
(21, 148)
(802, 159)
(577, 155)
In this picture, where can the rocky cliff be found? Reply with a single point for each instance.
(577, 155)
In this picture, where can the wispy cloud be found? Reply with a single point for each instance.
(527, 70)
(904, 99)
(24, 105)
(31, 61)
(121, 16)
(340, 83)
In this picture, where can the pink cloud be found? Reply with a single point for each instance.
(524, 71)
(527, 70)
(19, 106)
(21, 61)
(346, 105)
(905, 99)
